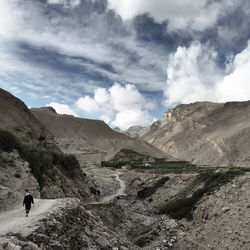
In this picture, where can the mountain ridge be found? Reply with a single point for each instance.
(205, 133)
(90, 140)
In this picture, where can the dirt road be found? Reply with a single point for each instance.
(14, 221)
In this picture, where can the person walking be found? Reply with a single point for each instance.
(28, 199)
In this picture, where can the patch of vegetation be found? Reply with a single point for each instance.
(8, 141)
(17, 175)
(174, 167)
(112, 164)
(127, 157)
(185, 206)
(148, 191)
(67, 162)
(141, 162)
(40, 159)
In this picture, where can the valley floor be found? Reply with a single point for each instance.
(122, 220)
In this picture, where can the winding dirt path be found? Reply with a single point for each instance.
(120, 191)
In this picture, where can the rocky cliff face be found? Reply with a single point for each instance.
(90, 140)
(205, 133)
(136, 131)
(15, 178)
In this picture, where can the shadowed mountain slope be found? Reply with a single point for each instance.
(90, 140)
(28, 150)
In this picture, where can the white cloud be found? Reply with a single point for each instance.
(101, 96)
(126, 98)
(29, 22)
(87, 104)
(128, 118)
(236, 85)
(62, 108)
(105, 118)
(181, 14)
(193, 75)
(122, 106)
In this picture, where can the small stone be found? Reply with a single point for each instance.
(56, 246)
(225, 209)
(102, 241)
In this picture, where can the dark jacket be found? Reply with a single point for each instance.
(28, 199)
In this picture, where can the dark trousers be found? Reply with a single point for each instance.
(27, 207)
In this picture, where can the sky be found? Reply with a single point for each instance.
(124, 61)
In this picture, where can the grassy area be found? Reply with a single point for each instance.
(174, 167)
(127, 157)
(183, 207)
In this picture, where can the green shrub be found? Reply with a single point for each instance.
(8, 141)
(39, 160)
(17, 175)
(178, 209)
(114, 164)
(67, 162)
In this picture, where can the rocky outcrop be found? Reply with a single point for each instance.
(69, 227)
(205, 133)
(15, 178)
(136, 131)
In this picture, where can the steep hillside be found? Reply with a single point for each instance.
(90, 140)
(30, 159)
(205, 133)
(15, 116)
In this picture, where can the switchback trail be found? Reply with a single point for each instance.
(119, 192)
(110, 198)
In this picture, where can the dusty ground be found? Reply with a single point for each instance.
(221, 220)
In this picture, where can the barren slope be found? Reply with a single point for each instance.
(17, 118)
(39, 146)
(205, 133)
(90, 140)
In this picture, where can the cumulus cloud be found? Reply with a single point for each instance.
(87, 104)
(121, 106)
(236, 85)
(193, 75)
(128, 118)
(62, 108)
(195, 14)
